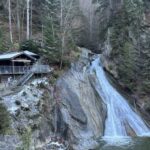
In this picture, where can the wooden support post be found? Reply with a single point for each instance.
(13, 71)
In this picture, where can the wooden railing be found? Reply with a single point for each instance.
(24, 69)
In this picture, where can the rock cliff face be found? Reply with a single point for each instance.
(31, 118)
(91, 24)
(82, 110)
(71, 110)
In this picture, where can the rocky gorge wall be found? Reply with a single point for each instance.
(126, 50)
(82, 110)
(68, 115)
(31, 118)
(123, 30)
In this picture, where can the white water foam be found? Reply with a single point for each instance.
(119, 112)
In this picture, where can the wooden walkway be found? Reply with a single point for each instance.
(10, 70)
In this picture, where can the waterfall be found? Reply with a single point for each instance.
(119, 113)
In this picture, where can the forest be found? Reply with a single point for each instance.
(50, 27)
(98, 93)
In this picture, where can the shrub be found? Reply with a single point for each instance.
(29, 45)
(4, 119)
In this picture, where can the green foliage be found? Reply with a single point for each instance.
(2, 47)
(123, 51)
(126, 67)
(119, 33)
(29, 45)
(55, 75)
(129, 39)
(26, 139)
(1, 40)
(52, 32)
(52, 42)
(132, 59)
(4, 119)
(58, 32)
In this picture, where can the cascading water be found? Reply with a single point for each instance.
(119, 113)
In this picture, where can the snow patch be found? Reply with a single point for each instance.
(27, 98)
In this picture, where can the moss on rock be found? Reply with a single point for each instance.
(4, 120)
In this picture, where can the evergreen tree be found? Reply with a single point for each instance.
(4, 119)
(129, 39)
(58, 28)
(2, 48)
(52, 30)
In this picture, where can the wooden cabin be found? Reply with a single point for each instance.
(17, 62)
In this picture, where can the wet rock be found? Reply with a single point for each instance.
(129, 130)
(75, 109)
(81, 108)
(25, 107)
(24, 93)
(18, 102)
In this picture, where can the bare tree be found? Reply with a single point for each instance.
(10, 21)
(64, 23)
(28, 19)
(22, 22)
(42, 42)
(31, 15)
(18, 20)
(62, 37)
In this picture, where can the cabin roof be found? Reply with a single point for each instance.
(11, 55)
(30, 53)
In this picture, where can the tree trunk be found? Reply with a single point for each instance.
(28, 19)
(111, 4)
(42, 43)
(31, 19)
(10, 21)
(62, 50)
(62, 36)
(22, 23)
(18, 20)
